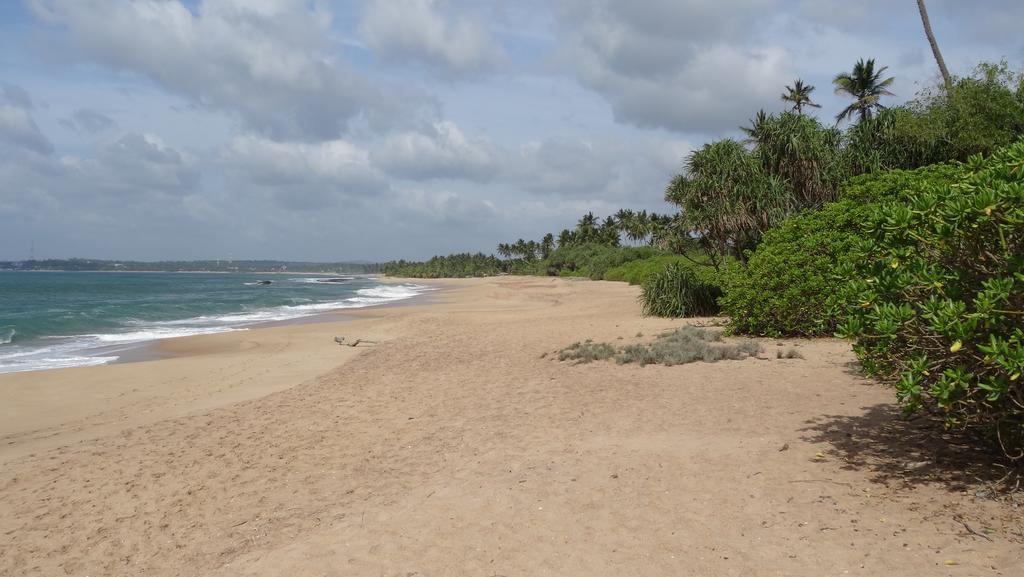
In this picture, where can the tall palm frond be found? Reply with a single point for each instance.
(800, 95)
(866, 86)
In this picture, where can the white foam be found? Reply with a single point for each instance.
(155, 334)
(74, 351)
(7, 335)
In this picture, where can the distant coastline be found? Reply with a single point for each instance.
(194, 266)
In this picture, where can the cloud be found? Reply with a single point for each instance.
(139, 163)
(88, 121)
(425, 33)
(304, 176)
(682, 65)
(443, 152)
(632, 173)
(17, 126)
(445, 206)
(269, 61)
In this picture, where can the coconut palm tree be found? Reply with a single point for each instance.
(935, 45)
(756, 128)
(566, 238)
(547, 244)
(866, 86)
(800, 95)
(586, 228)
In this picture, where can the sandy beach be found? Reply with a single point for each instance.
(459, 445)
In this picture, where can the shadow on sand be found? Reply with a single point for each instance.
(908, 452)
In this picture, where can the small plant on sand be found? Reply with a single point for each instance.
(686, 345)
(789, 354)
(586, 352)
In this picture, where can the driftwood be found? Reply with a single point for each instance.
(342, 341)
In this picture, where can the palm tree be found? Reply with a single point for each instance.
(505, 250)
(608, 232)
(547, 244)
(586, 228)
(756, 128)
(800, 95)
(935, 45)
(566, 238)
(865, 85)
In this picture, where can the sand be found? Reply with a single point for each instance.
(459, 446)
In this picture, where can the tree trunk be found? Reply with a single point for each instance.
(935, 45)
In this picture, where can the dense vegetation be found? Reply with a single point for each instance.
(784, 286)
(452, 266)
(935, 297)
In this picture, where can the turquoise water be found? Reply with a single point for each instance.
(65, 319)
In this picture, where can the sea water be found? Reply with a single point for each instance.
(68, 319)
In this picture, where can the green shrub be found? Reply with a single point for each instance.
(682, 291)
(784, 286)
(936, 298)
(638, 271)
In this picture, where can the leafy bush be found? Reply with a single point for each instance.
(639, 271)
(784, 286)
(936, 298)
(682, 291)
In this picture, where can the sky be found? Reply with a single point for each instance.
(384, 129)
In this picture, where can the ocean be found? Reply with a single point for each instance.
(70, 319)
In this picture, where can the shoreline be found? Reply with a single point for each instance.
(460, 445)
(143, 350)
(43, 409)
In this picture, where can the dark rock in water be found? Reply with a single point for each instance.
(336, 279)
(263, 282)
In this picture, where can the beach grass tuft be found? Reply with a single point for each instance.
(685, 345)
(586, 352)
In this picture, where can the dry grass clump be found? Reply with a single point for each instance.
(789, 354)
(586, 352)
(684, 345)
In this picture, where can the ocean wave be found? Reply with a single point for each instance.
(322, 279)
(101, 348)
(154, 334)
(7, 335)
(23, 359)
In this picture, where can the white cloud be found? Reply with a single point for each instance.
(304, 175)
(631, 173)
(443, 152)
(268, 61)
(425, 33)
(683, 65)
